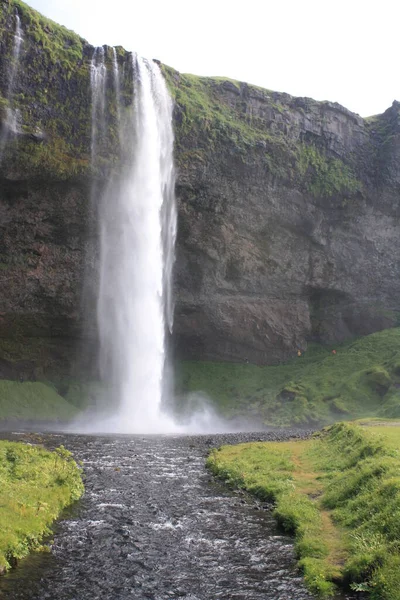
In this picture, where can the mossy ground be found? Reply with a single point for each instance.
(362, 379)
(339, 493)
(33, 401)
(48, 392)
(35, 486)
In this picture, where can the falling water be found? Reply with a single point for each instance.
(117, 86)
(15, 56)
(98, 79)
(10, 123)
(137, 233)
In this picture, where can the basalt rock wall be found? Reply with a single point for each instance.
(288, 210)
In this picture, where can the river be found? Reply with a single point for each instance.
(153, 524)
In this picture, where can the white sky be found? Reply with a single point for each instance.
(343, 50)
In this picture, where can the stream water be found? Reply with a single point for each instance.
(153, 524)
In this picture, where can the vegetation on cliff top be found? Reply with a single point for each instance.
(212, 110)
(60, 43)
(53, 96)
(35, 486)
(339, 494)
(361, 379)
(51, 93)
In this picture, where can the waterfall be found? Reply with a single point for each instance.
(117, 87)
(10, 123)
(15, 56)
(98, 80)
(137, 228)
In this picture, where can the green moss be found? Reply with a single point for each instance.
(52, 94)
(208, 117)
(54, 159)
(33, 401)
(4, 104)
(379, 378)
(60, 44)
(35, 486)
(361, 379)
(81, 394)
(323, 176)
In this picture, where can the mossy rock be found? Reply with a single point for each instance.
(379, 379)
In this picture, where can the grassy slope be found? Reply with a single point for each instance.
(33, 401)
(362, 379)
(35, 485)
(340, 495)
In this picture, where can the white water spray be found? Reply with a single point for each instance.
(137, 235)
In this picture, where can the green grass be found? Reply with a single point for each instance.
(35, 486)
(362, 379)
(33, 401)
(339, 494)
(60, 43)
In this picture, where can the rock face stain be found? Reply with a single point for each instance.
(288, 226)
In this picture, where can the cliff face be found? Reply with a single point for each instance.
(289, 223)
(288, 210)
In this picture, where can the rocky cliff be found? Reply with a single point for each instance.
(288, 210)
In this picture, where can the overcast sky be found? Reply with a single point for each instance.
(345, 51)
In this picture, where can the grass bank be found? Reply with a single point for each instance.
(339, 493)
(361, 379)
(33, 401)
(35, 486)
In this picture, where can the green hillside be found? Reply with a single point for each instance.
(361, 379)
